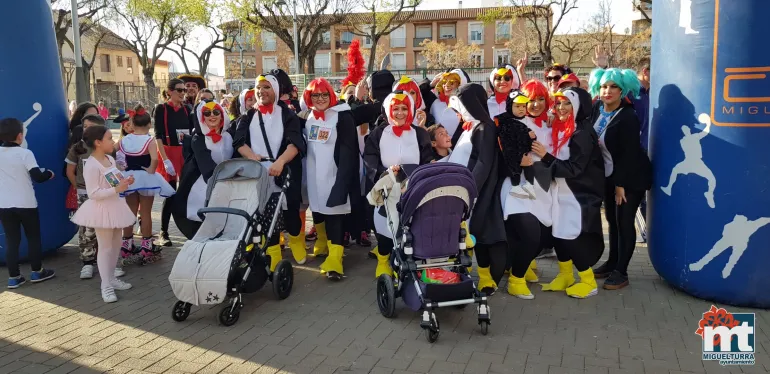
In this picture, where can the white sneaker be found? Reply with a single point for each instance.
(120, 285)
(108, 295)
(87, 272)
(119, 272)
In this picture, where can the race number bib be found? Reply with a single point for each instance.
(319, 134)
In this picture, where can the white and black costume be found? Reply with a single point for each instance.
(388, 146)
(478, 149)
(443, 112)
(497, 102)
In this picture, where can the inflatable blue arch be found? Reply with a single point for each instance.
(32, 91)
(710, 136)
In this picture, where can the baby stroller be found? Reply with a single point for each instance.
(438, 198)
(227, 256)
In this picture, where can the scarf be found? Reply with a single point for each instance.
(265, 109)
(500, 97)
(214, 135)
(543, 117)
(443, 98)
(398, 130)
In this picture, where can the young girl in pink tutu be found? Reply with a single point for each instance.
(105, 210)
(140, 162)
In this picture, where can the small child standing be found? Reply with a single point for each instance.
(141, 160)
(440, 141)
(76, 159)
(105, 211)
(18, 204)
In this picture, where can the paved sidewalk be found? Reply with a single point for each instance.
(63, 326)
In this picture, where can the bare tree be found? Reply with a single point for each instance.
(541, 17)
(600, 31)
(314, 18)
(89, 12)
(203, 58)
(575, 47)
(640, 6)
(442, 56)
(153, 25)
(380, 18)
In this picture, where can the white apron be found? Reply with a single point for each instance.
(220, 151)
(321, 169)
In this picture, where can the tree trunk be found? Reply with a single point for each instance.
(151, 96)
(87, 75)
(310, 61)
(372, 56)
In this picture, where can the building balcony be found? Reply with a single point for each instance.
(397, 42)
(325, 46)
(502, 38)
(343, 43)
(417, 41)
(448, 41)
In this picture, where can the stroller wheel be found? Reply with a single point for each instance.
(180, 311)
(386, 296)
(283, 279)
(228, 317)
(484, 327)
(432, 332)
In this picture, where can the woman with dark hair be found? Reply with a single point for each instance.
(76, 121)
(553, 76)
(626, 166)
(171, 119)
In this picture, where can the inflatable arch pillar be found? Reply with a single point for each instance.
(709, 216)
(32, 91)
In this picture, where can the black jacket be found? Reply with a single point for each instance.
(372, 160)
(631, 165)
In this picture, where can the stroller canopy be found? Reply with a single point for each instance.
(427, 179)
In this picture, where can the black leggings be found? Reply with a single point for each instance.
(334, 226)
(524, 232)
(360, 217)
(621, 219)
(584, 251)
(165, 213)
(13, 219)
(384, 245)
(292, 223)
(494, 257)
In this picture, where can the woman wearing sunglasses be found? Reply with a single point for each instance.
(272, 130)
(553, 75)
(171, 118)
(332, 169)
(502, 80)
(211, 144)
(440, 108)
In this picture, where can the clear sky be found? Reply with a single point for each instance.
(622, 14)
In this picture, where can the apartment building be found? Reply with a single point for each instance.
(403, 44)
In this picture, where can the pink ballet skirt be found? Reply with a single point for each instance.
(104, 209)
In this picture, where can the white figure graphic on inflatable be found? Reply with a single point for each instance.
(685, 16)
(736, 234)
(37, 108)
(693, 160)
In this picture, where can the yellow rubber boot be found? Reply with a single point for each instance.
(518, 287)
(586, 287)
(374, 251)
(321, 247)
(297, 246)
(275, 256)
(333, 261)
(485, 279)
(383, 265)
(533, 265)
(564, 279)
(281, 241)
(530, 276)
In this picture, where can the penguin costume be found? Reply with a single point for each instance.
(577, 167)
(286, 87)
(399, 143)
(273, 130)
(210, 147)
(331, 169)
(409, 86)
(441, 108)
(507, 77)
(478, 149)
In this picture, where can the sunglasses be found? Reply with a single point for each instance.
(209, 113)
(317, 96)
(553, 78)
(180, 90)
(504, 77)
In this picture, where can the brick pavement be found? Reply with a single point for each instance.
(63, 326)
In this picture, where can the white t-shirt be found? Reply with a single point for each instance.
(15, 182)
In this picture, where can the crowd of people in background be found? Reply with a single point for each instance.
(546, 153)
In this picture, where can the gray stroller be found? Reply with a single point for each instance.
(227, 256)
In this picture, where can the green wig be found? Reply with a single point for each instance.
(625, 79)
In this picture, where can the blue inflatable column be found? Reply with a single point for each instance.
(709, 216)
(32, 91)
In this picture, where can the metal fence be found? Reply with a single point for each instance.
(477, 75)
(126, 95)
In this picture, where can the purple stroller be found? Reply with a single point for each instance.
(438, 198)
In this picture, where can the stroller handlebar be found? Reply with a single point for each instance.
(237, 212)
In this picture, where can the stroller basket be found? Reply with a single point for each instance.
(436, 292)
